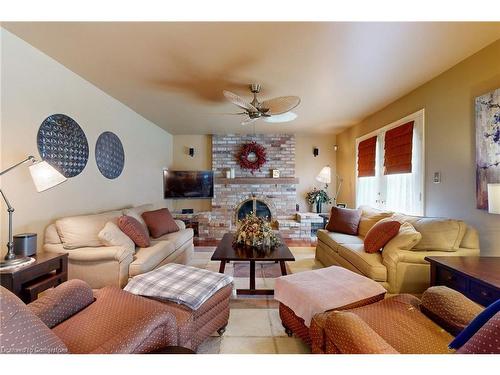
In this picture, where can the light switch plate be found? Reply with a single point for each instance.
(437, 178)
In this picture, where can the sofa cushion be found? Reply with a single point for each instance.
(159, 222)
(471, 238)
(369, 217)
(133, 229)
(148, 258)
(332, 239)
(381, 233)
(83, 231)
(111, 235)
(368, 264)
(437, 233)
(344, 220)
(136, 213)
(178, 238)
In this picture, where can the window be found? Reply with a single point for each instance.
(397, 182)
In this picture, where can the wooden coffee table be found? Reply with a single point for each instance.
(226, 251)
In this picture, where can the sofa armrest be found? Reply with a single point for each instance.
(180, 224)
(62, 302)
(448, 308)
(91, 254)
(351, 335)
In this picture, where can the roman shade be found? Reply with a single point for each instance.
(398, 149)
(366, 157)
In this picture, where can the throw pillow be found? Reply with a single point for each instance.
(132, 228)
(406, 239)
(369, 217)
(344, 220)
(111, 235)
(381, 233)
(160, 222)
(136, 213)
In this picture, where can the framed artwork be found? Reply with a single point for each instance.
(487, 145)
(276, 173)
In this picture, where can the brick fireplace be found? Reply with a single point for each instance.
(279, 196)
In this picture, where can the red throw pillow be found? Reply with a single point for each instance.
(160, 222)
(344, 220)
(132, 228)
(381, 233)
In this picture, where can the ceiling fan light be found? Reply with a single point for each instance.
(284, 117)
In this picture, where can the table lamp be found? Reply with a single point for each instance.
(44, 177)
(325, 175)
(494, 198)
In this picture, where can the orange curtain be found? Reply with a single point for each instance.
(398, 149)
(366, 157)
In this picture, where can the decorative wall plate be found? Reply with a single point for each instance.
(109, 155)
(63, 144)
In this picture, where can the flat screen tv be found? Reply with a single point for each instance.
(188, 184)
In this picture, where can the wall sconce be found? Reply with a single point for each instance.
(315, 151)
(335, 147)
(191, 151)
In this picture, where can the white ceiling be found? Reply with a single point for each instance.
(174, 73)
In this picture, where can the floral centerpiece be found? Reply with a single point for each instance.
(255, 232)
(318, 197)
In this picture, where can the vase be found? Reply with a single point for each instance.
(318, 207)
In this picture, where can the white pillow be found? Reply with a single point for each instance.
(111, 235)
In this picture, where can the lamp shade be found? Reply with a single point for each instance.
(325, 175)
(45, 176)
(494, 198)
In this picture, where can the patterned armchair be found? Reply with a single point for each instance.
(71, 319)
(404, 324)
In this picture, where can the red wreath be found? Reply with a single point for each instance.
(260, 153)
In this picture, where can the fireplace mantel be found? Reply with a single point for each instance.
(257, 181)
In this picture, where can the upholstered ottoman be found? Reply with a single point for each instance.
(305, 294)
(199, 299)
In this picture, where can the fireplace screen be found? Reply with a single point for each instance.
(253, 205)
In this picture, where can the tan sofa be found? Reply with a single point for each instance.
(100, 265)
(399, 269)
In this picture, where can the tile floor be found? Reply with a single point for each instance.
(254, 324)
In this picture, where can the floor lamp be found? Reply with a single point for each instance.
(44, 177)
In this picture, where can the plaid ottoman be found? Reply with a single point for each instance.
(304, 296)
(199, 299)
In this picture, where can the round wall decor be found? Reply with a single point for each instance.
(109, 155)
(63, 144)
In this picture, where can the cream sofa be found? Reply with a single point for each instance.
(100, 265)
(398, 269)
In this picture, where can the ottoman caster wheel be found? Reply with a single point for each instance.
(221, 331)
(288, 331)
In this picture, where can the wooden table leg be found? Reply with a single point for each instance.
(222, 266)
(283, 267)
(252, 274)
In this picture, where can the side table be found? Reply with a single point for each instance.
(26, 282)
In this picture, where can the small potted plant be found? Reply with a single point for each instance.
(317, 197)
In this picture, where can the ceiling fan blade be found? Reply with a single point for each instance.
(280, 105)
(284, 117)
(237, 100)
(249, 121)
(229, 114)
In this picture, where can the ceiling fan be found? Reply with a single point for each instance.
(272, 110)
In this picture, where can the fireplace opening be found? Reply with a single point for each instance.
(260, 208)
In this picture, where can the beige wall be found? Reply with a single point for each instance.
(307, 166)
(449, 141)
(202, 161)
(34, 86)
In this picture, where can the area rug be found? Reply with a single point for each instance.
(254, 325)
